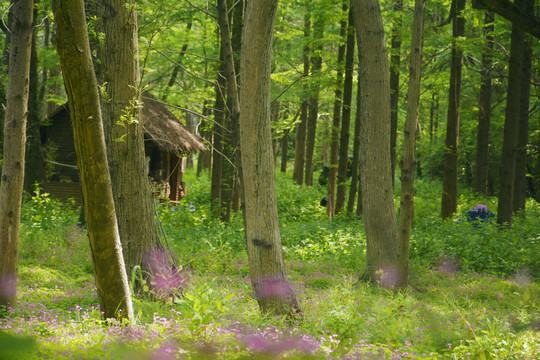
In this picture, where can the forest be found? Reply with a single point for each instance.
(267, 179)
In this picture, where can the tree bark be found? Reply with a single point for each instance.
(520, 176)
(406, 210)
(34, 170)
(124, 134)
(450, 177)
(11, 186)
(484, 112)
(265, 253)
(81, 86)
(511, 126)
(395, 60)
(383, 256)
(343, 164)
(300, 146)
(336, 120)
(313, 101)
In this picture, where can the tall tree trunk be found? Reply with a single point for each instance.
(343, 164)
(119, 70)
(450, 177)
(395, 60)
(511, 125)
(520, 176)
(406, 210)
(34, 170)
(300, 147)
(383, 256)
(229, 175)
(336, 119)
(82, 89)
(217, 152)
(355, 192)
(265, 253)
(11, 186)
(313, 100)
(484, 112)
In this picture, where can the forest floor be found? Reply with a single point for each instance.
(466, 299)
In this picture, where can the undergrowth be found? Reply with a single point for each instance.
(472, 292)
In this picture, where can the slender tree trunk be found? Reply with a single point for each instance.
(450, 177)
(284, 149)
(355, 192)
(300, 148)
(484, 112)
(383, 256)
(229, 175)
(336, 120)
(265, 253)
(343, 165)
(520, 176)
(34, 170)
(217, 153)
(124, 134)
(81, 86)
(313, 101)
(395, 60)
(406, 210)
(11, 186)
(511, 125)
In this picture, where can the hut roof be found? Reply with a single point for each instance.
(161, 126)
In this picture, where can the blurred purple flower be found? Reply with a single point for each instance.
(165, 278)
(8, 285)
(388, 277)
(448, 265)
(273, 288)
(259, 343)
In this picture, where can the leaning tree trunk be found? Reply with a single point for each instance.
(124, 134)
(450, 177)
(484, 109)
(11, 187)
(406, 210)
(383, 256)
(265, 253)
(81, 86)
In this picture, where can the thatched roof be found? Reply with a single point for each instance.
(162, 127)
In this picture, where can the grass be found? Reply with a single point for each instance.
(465, 301)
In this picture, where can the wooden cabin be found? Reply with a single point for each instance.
(166, 143)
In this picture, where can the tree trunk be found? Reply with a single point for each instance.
(34, 170)
(343, 165)
(229, 179)
(355, 193)
(300, 147)
(484, 112)
(450, 176)
(124, 134)
(511, 126)
(313, 101)
(336, 120)
(383, 256)
(395, 59)
(520, 176)
(265, 253)
(406, 210)
(81, 86)
(11, 186)
(217, 153)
